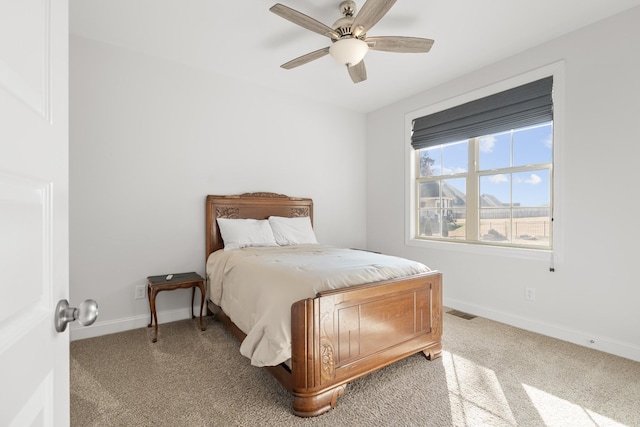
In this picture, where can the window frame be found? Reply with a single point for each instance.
(555, 254)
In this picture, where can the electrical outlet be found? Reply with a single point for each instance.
(530, 294)
(140, 292)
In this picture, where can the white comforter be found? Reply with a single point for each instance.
(256, 287)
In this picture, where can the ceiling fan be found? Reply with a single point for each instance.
(349, 41)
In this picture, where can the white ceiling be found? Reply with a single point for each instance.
(242, 39)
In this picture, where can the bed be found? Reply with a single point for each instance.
(336, 335)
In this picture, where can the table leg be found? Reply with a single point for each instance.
(150, 312)
(154, 316)
(202, 290)
(193, 294)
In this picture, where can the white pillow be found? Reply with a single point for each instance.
(240, 233)
(292, 231)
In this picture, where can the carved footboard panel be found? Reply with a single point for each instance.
(342, 335)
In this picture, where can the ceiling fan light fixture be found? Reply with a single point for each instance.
(348, 51)
(349, 41)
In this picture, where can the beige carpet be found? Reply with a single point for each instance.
(490, 375)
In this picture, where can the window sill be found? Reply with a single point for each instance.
(481, 249)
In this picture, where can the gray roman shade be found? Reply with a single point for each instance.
(521, 106)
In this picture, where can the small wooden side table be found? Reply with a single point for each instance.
(156, 284)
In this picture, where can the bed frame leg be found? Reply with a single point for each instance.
(433, 353)
(312, 405)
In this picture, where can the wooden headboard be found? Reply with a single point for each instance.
(250, 205)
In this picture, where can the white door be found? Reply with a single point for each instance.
(34, 199)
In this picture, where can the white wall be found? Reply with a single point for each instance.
(149, 139)
(595, 292)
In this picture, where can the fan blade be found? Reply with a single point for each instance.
(358, 72)
(370, 13)
(400, 44)
(306, 58)
(303, 20)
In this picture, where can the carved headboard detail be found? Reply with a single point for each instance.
(250, 205)
(263, 195)
(299, 212)
(227, 212)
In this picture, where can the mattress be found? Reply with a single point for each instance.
(256, 286)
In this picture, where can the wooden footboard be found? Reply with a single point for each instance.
(342, 335)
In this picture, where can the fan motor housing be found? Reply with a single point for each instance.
(343, 26)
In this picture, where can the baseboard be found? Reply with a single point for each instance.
(106, 327)
(600, 343)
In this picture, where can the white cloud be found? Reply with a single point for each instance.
(450, 171)
(497, 179)
(487, 143)
(533, 179)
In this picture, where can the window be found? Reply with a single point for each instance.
(494, 186)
